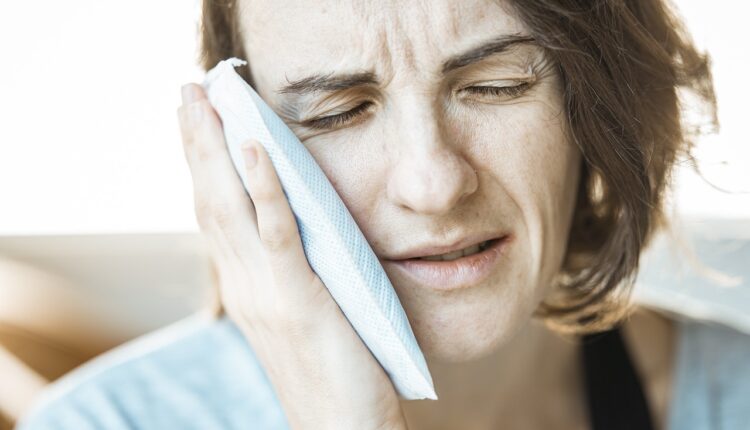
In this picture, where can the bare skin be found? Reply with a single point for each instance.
(539, 384)
(651, 340)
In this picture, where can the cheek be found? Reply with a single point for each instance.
(535, 168)
(356, 165)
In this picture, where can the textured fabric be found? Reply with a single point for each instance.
(712, 387)
(334, 245)
(201, 374)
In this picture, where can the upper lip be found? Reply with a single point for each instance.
(436, 249)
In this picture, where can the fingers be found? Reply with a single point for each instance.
(221, 203)
(256, 239)
(277, 226)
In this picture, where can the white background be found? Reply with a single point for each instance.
(89, 139)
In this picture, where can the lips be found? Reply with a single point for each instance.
(457, 254)
(455, 274)
(437, 249)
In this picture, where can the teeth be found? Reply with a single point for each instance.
(458, 254)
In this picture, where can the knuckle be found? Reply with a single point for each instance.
(202, 208)
(205, 152)
(276, 237)
(262, 193)
(203, 224)
(223, 214)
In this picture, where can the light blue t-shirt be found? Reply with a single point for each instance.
(200, 373)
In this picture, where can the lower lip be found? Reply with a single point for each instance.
(456, 274)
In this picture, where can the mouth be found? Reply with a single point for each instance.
(465, 252)
(455, 270)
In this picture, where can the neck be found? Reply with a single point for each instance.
(513, 384)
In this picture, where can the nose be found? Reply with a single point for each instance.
(431, 174)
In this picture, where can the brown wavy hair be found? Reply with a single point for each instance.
(625, 66)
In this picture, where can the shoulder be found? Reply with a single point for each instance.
(713, 375)
(698, 370)
(718, 352)
(197, 373)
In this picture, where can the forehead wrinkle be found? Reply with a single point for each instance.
(401, 48)
(455, 15)
(394, 38)
(384, 53)
(383, 18)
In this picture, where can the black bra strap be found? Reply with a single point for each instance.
(613, 391)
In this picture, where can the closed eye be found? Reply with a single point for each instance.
(349, 117)
(495, 91)
(346, 118)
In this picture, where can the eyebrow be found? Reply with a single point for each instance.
(334, 82)
(476, 54)
(329, 82)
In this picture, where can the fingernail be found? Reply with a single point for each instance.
(250, 154)
(189, 93)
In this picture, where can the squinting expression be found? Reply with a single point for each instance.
(434, 121)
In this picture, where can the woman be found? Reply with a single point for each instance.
(549, 128)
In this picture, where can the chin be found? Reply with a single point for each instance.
(470, 328)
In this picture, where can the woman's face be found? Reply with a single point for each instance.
(424, 155)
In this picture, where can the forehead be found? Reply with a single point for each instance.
(285, 40)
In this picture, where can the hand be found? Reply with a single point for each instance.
(323, 374)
